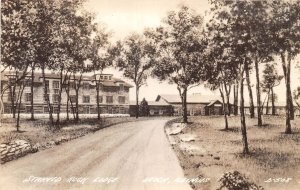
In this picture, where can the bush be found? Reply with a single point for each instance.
(236, 181)
(144, 108)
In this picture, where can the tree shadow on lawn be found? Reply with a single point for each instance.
(231, 129)
(18, 132)
(295, 136)
(263, 125)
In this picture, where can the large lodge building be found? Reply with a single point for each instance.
(113, 96)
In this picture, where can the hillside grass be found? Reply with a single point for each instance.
(39, 130)
(273, 154)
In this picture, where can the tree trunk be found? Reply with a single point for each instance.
(292, 113)
(249, 90)
(59, 97)
(286, 70)
(47, 98)
(259, 118)
(243, 121)
(273, 102)
(98, 103)
(68, 99)
(288, 129)
(67, 89)
(77, 105)
(77, 87)
(236, 98)
(31, 90)
(224, 109)
(13, 99)
(267, 107)
(184, 106)
(19, 106)
(137, 101)
(13, 95)
(227, 94)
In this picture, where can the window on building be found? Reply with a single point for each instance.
(55, 109)
(86, 99)
(72, 85)
(121, 87)
(56, 91)
(46, 110)
(122, 99)
(55, 84)
(55, 98)
(122, 110)
(101, 77)
(100, 98)
(109, 77)
(109, 99)
(86, 86)
(27, 97)
(72, 98)
(105, 77)
(86, 110)
(46, 96)
(161, 112)
(110, 110)
(28, 109)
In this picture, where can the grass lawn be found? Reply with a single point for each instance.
(215, 151)
(39, 131)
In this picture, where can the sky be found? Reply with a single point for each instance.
(122, 17)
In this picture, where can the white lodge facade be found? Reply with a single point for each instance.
(113, 94)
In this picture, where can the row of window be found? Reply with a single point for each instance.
(105, 77)
(85, 85)
(87, 110)
(85, 99)
(109, 99)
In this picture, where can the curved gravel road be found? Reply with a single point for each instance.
(129, 156)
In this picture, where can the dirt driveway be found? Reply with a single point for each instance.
(130, 156)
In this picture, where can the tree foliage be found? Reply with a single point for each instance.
(180, 46)
(144, 108)
(271, 78)
(135, 59)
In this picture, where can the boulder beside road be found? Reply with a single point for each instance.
(14, 150)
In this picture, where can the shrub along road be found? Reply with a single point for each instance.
(134, 155)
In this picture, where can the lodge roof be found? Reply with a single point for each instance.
(105, 82)
(152, 103)
(193, 98)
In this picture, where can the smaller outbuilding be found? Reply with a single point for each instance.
(156, 108)
(197, 104)
(170, 105)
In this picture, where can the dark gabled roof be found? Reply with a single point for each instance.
(153, 103)
(213, 102)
